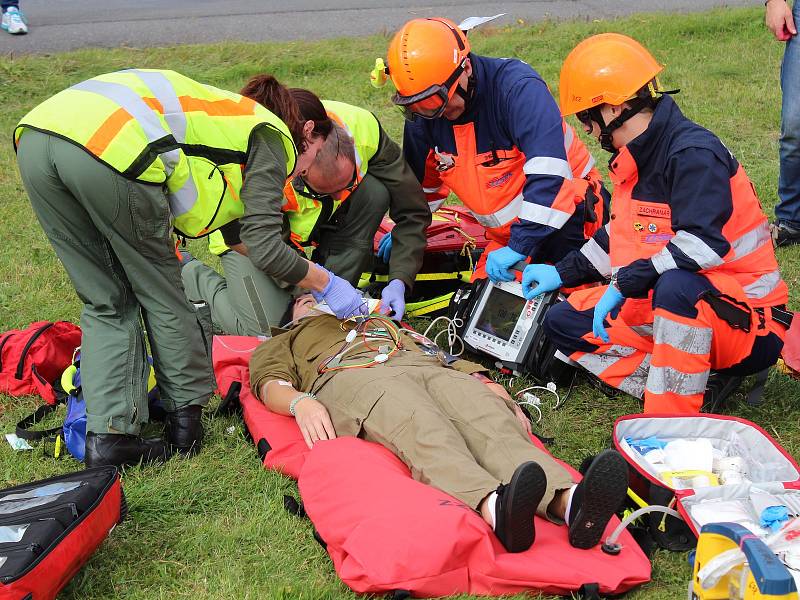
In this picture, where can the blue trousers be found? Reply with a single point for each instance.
(788, 209)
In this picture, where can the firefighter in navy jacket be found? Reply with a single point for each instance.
(492, 133)
(694, 284)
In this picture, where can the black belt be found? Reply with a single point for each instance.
(779, 315)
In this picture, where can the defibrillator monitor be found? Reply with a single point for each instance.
(504, 324)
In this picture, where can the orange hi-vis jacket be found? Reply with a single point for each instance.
(511, 158)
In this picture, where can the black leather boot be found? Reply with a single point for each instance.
(185, 429)
(121, 449)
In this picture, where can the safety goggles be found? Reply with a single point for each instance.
(429, 103)
(310, 192)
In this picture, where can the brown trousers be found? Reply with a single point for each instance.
(451, 430)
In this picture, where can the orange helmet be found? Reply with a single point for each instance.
(608, 68)
(425, 59)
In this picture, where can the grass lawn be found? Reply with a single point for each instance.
(214, 526)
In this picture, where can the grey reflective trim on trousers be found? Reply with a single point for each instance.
(634, 383)
(661, 380)
(597, 363)
(686, 338)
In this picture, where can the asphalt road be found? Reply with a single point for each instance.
(57, 25)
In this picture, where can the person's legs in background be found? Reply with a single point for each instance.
(787, 212)
(13, 20)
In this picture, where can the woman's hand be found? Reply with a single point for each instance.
(314, 421)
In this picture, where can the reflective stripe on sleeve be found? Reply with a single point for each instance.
(751, 241)
(663, 261)
(547, 165)
(764, 285)
(543, 215)
(500, 217)
(597, 256)
(696, 249)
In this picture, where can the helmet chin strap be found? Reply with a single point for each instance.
(469, 94)
(607, 129)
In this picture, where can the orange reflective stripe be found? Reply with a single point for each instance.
(108, 131)
(290, 203)
(218, 108)
(154, 104)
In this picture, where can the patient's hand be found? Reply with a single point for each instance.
(503, 393)
(522, 418)
(314, 421)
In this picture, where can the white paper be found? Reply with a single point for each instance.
(17, 443)
(473, 22)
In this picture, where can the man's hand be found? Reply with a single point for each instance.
(522, 418)
(314, 421)
(779, 20)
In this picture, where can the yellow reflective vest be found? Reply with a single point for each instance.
(302, 211)
(161, 127)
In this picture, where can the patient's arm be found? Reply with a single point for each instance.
(506, 398)
(311, 415)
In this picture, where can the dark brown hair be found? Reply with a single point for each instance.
(268, 91)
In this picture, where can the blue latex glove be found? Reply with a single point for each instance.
(608, 302)
(393, 297)
(385, 247)
(500, 261)
(341, 297)
(773, 517)
(545, 275)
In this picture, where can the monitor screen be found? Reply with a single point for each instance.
(500, 314)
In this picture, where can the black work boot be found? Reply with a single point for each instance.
(516, 506)
(784, 235)
(719, 389)
(596, 498)
(184, 429)
(120, 449)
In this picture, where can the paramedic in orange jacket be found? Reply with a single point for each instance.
(490, 131)
(694, 284)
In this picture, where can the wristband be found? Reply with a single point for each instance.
(293, 403)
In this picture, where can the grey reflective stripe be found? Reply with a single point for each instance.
(663, 261)
(431, 190)
(505, 215)
(131, 102)
(634, 383)
(569, 137)
(547, 165)
(764, 285)
(599, 258)
(696, 249)
(751, 241)
(589, 166)
(643, 330)
(666, 379)
(435, 205)
(184, 198)
(543, 214)
(597, 363)
(686, 338)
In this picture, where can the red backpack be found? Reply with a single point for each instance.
(31, 359)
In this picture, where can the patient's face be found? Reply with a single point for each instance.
(302, 306)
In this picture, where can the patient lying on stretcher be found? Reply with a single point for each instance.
(444, 418)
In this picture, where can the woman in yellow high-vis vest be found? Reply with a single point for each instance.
(112, 165)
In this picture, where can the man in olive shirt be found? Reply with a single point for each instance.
(246, 302)
(454, 428)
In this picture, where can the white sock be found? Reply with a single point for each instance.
(569, 503)
(491, 503)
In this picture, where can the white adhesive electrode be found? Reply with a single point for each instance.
(351, 335)
(381, 358)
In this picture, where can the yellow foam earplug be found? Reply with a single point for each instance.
(378, 76)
